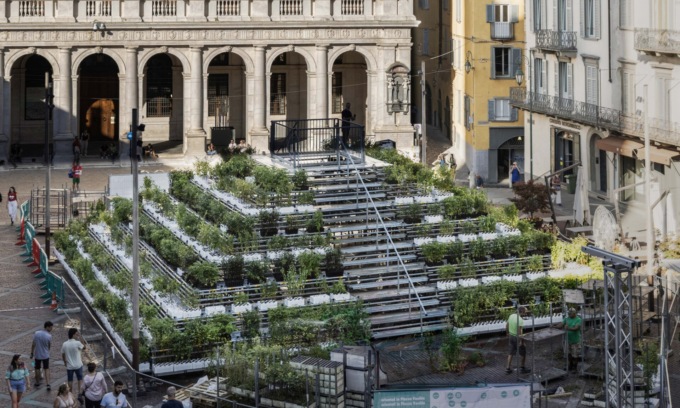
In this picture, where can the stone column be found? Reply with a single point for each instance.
(129, 102)
(322, 81)
(4, 116)
(195, 140)
(259, 134)
(63, 136)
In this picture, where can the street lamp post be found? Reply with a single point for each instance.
(48, 158)
(519, 77)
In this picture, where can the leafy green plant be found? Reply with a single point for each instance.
(467, 268)
(315, 223)
(269, 221)
(499, 247)
(277, 242)
(455, 251)
(412, 213)
(468, 227)
(306, 198)
(250, 321)
(433, 252)
(447, 228)
(291, 225)
(240, 298)
(300, 180)
(447, 272)
(269, 289)
(256, 271)
(451, 350)
(310, 263)
(478, 249)
(334, 266)
(535, 263)
(338, 287)
(233, 268)
(203, 273)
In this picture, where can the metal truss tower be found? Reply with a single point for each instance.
(618, 318)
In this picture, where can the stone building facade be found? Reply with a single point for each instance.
(189, 66)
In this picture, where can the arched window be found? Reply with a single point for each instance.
(159, 86)
(34, 87)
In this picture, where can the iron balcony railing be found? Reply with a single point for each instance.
(502, 31)
(662, 131)
(661, 41)
(314, 136)
(556, 40)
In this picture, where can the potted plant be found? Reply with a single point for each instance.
(256, 271)
(467, 268)
(315, 223)
(269, 223)
(334, 265)
(291, 225)
(531, 198)
(455, 251)
(412, 214)
(300, 180)
(434, 253)
(478, 250)
(233, 270)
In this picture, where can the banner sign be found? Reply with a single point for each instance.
(515, 396)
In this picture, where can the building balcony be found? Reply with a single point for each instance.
(657, 42)
(30, 11)
(502, 31)
(556, 41)
(660, 131)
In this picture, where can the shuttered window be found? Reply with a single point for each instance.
(627, 92)
(468, 115)
(537, 16)
(592, 84)
(337, 92)
(500, 110)
(502, 13)
(590, 19)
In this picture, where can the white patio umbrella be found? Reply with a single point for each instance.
(581, 202)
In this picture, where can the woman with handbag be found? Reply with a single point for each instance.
(17, 379)
(94, 385)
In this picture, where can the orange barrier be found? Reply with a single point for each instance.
(22, 234)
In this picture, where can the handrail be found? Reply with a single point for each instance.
(387, 233)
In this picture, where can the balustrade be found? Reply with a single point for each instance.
(661, 41)
(226, 8)
(98, 8)
(352, 7)
(556, 40)
(32, 8)
(290, 7)
(164, 8)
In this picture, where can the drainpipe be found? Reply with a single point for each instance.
(609, 37)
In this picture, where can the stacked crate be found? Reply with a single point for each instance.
(331, 379)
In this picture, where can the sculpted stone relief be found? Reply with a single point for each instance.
(179, 36)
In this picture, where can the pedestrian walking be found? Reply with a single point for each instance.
(94, 385)
(70, 353)
(556, 185)
(84, 140)
(18, 380)
(514, 174)
(116, 398)
(514, 329)
(40, 351)
(65, 398)
(76, 172)
(12, 204)
(171, 401)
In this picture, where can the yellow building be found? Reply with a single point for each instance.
(488, 44)
(432, 44)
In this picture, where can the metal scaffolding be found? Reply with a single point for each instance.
(620, 382)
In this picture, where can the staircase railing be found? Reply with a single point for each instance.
(411, 285)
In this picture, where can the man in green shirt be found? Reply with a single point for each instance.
(572, 325)
(514, 329)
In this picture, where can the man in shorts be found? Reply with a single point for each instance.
(70, 353)
(514, 329)
(40, 351)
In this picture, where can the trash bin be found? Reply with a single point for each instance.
(571, 183)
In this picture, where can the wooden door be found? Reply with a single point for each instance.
(100, 119)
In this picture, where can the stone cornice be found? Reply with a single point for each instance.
(189, 36)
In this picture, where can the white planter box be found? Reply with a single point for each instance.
(403, 200)
(213, 310)
(294, 302)
(446, 285)
(267, 304)
(319, 299)
(513, 278)
(424, 199)
(240, 308)
(432, 219)
(490, 279)
(341, 297)
(468, 283)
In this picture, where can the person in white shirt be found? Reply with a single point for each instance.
(94, 385)
(70, 353)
